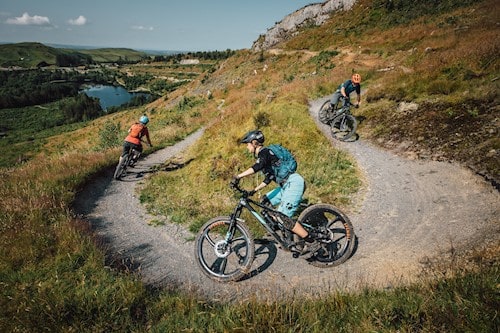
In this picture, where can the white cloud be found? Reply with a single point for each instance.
(81, 20)
(140, 27)
(26, 19)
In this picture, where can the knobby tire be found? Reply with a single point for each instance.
(325, 113)
(340, 245)
(343, 127)
(221, 261)
(121, 167)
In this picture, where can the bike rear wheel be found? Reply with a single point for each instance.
(343, 127)
(339, 245)
(121, 167)
(222, 259)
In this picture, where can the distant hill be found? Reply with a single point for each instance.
(112, 54)
(31, 54)
(27, 55)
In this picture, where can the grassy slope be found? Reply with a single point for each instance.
(26, 54)
(113, 54)
(31, 54)
(50, 268)
(447, 64)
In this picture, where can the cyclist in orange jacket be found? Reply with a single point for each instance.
(135, 134)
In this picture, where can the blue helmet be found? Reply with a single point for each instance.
(144, 120)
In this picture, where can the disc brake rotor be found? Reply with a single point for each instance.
(222, 249)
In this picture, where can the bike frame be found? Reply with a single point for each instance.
(345, 110)
(247, 203)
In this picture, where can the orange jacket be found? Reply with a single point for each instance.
(136, 132)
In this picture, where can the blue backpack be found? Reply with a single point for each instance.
(286, 164)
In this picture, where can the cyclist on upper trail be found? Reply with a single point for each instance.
(288, 194)
(135, 134)
(346, 88)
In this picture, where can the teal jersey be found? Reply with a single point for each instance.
(350, 87)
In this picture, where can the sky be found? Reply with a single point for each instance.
(168, 25)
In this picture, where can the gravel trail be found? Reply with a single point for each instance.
(407, 211)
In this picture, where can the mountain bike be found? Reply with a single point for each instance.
(128, 159)
(342, 123)
(225, 246)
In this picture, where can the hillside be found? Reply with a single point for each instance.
(109, 55)
(31, 55)
(429, 92)
(431, 89)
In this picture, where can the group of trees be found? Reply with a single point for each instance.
(80, 108)
(205, 55)
(73, 60)
(33, 87)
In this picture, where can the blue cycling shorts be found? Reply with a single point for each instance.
(289, 195)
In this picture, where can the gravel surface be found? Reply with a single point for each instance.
(407, 211)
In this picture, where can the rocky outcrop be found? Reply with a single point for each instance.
(315, 14)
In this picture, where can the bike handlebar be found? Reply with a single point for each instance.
(347, 102)
(235, 185)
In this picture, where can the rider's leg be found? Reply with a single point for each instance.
(274, 196)
(335, 98)
(291, 196)
(135, 158)
(125, 150)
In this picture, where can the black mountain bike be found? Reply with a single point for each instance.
(128, 159)
(225, 247)
(342, 123)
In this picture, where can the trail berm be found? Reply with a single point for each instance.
(406, 212)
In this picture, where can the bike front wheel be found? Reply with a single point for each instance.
(325, 113)
(338, 243)
(343, 127)
(224, 255)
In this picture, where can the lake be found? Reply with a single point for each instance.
(110, 95)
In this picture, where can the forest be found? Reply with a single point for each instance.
(32, 87)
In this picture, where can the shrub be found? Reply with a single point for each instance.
(109, 135)
(261, 119)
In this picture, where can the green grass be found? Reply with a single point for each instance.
(55, 277)
(28, 129)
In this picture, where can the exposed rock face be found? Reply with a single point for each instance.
(315, 14)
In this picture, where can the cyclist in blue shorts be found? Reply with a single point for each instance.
(289, 193)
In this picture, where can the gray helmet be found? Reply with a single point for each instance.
(253, 135)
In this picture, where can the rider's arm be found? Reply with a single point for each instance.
(260, 186)
(251, 171)
(342, 91)
(342, 88)
(147, 137)
(358, 92)
(247, 172)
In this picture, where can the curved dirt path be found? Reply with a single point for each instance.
(407, 211)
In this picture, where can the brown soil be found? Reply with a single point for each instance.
(467, 134)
